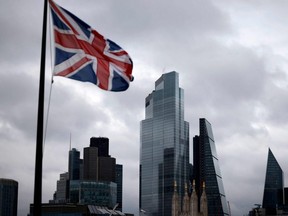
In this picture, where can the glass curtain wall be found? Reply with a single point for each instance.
(164, 153)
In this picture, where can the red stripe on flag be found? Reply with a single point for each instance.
(73, 67)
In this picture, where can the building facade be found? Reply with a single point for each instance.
(206, 169)
(164, 151)
(102, 143)
(273, 197)
(74, 164)
(62, 192)
(8, 197)
(190, 205)
(75, 210)
(98, 164)
(90, 164)
(119, 182)
(94, 180)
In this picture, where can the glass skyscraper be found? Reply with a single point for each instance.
(164, 153)
(74, 164)
(8, 197)
(274, 185)
(206, 169)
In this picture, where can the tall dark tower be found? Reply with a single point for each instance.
(164, 153)
(206, 169)
(119, 182)
(98, 164)
(74, 164)
(8, 197)
(102, 143)
(96, 180)
(90, 164)
(274, 185)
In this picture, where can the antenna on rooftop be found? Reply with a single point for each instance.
(70, 140)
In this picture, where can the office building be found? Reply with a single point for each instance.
(102, 143)
(98, 164)
(106, 163)
(74, 164)
(93, 180)
(274, 186)
(93, 193)
(62, 192)
(107, 169)
(75, 210)
(206, 169)
(119, 182)
(164, 151)
(90, 163)
(8, 197)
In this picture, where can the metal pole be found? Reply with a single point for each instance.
(40, 121)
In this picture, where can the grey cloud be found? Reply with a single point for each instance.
(233, 84)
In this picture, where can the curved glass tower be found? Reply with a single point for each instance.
(164, 153)
(206, 169)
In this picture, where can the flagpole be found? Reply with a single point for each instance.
(40, 121)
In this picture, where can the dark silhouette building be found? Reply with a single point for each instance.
(98, 164)
(94, 180)
(119, 182)
(74, 164)
(206, 169)
(164, 151)
(102, 143)
(273, 197)
(8, 197)
(90, 164)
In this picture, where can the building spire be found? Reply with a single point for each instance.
(185, 208)
(175, 186)
(203, 202)
(70, 142)
(175, 201)
(194, 201)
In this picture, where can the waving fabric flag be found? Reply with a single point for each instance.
(81, 53)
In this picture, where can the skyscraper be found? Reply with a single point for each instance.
(164, 153)
(8, 197)
(206, 169)
(119, 182)
(102, 143)
(98, 164)
(274, 185)
(90, 164)
(95, 180)
(74, 164)
(62, 192)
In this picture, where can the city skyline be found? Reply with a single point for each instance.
(232, 60)
(96, 179)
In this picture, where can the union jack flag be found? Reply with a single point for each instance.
(81, 53)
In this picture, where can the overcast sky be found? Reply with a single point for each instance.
(231, 57)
